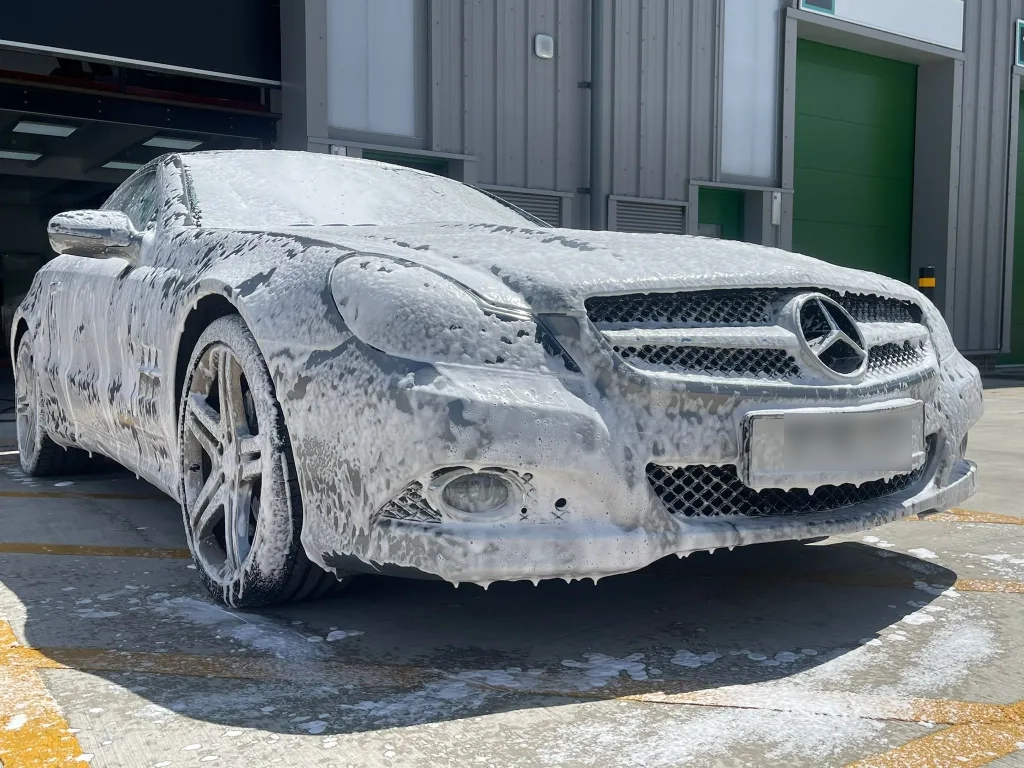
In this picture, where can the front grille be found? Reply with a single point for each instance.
(411, 506)
(732, 307)
(695, 308)
(892, 358)
(770, 363)
(699, 491)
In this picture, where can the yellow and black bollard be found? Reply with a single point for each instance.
(926, 282)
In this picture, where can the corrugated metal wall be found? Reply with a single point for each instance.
(981, 225)
(663, 95)
(524, 118)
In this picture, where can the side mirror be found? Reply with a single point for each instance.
(99, 234)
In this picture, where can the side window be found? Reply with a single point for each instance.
(137, 199)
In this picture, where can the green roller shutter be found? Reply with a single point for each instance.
(1016, 355)
(854, 158)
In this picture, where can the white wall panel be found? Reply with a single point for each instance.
(750, 88)
(940, 22)
(371, 65)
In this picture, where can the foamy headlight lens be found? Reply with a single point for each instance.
(477, 492)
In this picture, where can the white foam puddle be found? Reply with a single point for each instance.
(252, 630)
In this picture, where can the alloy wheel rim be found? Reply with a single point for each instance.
(223, 454)
(25, 407)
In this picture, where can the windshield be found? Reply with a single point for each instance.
(261, 189)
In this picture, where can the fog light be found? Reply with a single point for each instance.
(477, 493)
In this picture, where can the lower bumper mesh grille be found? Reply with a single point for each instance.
(699, 491)
(411, 506)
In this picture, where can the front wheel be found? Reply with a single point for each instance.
(239, 493)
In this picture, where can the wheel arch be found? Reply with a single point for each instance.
(20, 329)
(206, 310)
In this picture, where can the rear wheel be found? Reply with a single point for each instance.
(40, 456)
(239, 493)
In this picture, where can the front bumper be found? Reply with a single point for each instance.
(481, 554)
(585, 440)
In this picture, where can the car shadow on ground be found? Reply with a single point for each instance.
(407, 652)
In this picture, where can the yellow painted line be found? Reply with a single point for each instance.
(16, 655)
(989, 585)
(226, 667)
(92, 550)
(33, 732)
(961, 746)
(968, 516)
(80, 495)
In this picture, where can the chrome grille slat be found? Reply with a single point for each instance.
(769, 363)
(698, 491)
(746, 306)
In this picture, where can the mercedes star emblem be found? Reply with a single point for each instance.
(830, 337)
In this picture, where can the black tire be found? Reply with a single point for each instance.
(239, 490)
(40, 456)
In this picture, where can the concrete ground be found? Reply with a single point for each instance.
(901, 646)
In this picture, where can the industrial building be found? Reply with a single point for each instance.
(878, 134)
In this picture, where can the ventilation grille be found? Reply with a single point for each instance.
(700, 492)
(742, 307)
(768, 363)
(547, 208)
(633, 216)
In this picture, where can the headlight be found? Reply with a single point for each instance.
(412, 312)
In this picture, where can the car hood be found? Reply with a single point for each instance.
(555, 270)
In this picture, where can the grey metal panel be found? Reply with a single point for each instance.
(663, 93)
(936, 169)
(572, 134)
(704, 89)
(625, 97)
(303, 72)
(480, 77)
(653, 92)
(446, 30)
(1011, 207)
(980, 255)
(541, 89)
(677, 101)
(522, 117)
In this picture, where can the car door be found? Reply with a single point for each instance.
(103, 354)
(136, 321)
(53, 348)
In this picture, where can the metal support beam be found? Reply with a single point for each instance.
(77, 105)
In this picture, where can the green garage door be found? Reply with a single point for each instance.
(854, 158)
(1016, 356)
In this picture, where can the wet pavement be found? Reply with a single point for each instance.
(899, 646)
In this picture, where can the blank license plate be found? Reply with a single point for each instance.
(809, 447)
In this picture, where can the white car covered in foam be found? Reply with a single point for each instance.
(340, 366)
